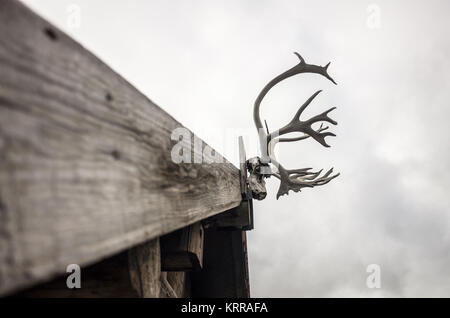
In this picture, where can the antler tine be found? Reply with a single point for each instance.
(307, 176)
(325, 178)
(267, 127)
(305, 104)
(305, 136)
(322, 70)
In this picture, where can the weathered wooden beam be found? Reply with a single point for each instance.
(225, 269)
(85, 158)
(182, 250)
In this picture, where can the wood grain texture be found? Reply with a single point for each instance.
(174, 285)
(85, 165)
(145, 269)
(180, 283)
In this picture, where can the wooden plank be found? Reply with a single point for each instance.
(85, 158)
(175, 285)
(182, 250)
(225, 270)
(180, 282)
(166, 288)
(145, 269)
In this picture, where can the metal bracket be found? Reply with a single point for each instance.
(240, 217)
(245, 190)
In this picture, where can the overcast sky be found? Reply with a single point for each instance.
(204, 62)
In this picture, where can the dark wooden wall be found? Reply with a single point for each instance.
(140, 271)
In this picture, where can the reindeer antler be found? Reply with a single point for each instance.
(295, 179)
